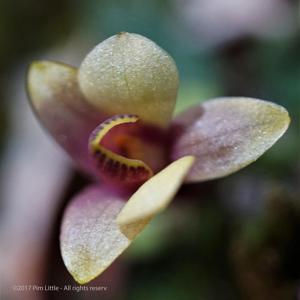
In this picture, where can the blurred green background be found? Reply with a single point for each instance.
(233, 238)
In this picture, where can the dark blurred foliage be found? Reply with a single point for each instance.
(265, 251)
(25, 28)
(234, 238)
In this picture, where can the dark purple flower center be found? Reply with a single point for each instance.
(127, 152)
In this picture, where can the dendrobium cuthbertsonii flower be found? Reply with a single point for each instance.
(113, 115)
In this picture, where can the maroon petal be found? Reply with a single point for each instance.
(226, 134)
(59, 105)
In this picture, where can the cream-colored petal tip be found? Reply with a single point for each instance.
(155, 195)
(46, 80)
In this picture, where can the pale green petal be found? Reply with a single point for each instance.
(129, 73)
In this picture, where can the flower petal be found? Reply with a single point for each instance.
(227, 134)
(154, 195)
(90, 238)
(129, 73)
(59, 105)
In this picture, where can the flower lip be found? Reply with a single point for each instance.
(115, 166)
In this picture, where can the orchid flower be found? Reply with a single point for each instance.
(113, 115)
